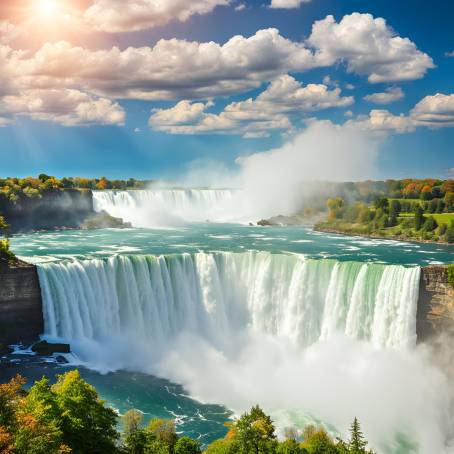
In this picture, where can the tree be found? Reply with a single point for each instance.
(449, 201)
(357, 444)
(186, 445)
(163, 431)
(381, 202)
(132, 421)
(419, 217)
(317, 441)
(88, 425)
(290, 446)
(254, 432)
(395, 208)
(430, 224)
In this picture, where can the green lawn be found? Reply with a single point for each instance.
(443, 218)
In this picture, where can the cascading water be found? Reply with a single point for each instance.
(310, 340)
(163, 207)
(218, 295)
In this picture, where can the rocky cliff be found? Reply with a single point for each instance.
(67, 208)
(436, 303)
(21, 316)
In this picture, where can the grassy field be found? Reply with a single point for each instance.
(443, 218)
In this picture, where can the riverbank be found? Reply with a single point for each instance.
(349, 230)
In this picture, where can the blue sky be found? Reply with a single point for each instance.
(144, 114)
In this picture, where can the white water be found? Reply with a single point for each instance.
(304, 338)
(218, 295)
(168, 207)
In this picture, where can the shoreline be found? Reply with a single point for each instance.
(316, 228)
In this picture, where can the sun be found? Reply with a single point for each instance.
(47, 7)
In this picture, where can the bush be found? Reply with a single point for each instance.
(451, 274)
(6, 256)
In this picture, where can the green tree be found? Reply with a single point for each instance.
(430, 224)
(395, 208)
(163, 431)
(88, 425)
(381, 202)
(357, 444)
(419, 217)
(221, 447)
(186, 445)
(290, 446)
(255, 433)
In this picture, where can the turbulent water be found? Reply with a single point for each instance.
(314, 327)
(157, 207)
(217, 295)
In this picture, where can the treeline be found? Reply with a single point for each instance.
(367, 191)
(69, 417)
(6, 256)
(395, 217)
(15, 188)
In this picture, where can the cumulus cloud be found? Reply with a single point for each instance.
(390, 95)
(382, 122)
(252, 118)
(7, 31)
(63, 106)
(369, 47)
(115, 16)
(172, 69)
(287, 4)
(450, 54)
(435, 111)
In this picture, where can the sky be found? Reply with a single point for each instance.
(150, 89)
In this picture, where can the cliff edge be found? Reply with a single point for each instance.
(435, 304)
(21, 318)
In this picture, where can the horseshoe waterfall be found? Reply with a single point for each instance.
(215, 295)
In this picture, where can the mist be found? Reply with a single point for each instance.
(279, 181)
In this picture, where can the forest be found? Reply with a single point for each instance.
(69, 417)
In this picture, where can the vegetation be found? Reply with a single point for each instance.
(7, 257)
(451, 275)
(69, 417)
(425, 219)
(14, 189)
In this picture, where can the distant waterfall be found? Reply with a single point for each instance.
(156, 207)
(219, 295)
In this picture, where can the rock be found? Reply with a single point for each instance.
(46, 348)
(104, 221)
(264, 222)
(5, 349)
(61, 359)
(435, 303)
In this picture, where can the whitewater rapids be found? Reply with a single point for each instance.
(310, 340)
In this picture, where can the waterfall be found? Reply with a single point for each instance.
(162, 207)
(218, 295)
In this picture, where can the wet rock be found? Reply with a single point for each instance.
(46, 348)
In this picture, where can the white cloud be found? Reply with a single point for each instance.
(287, 4)
(391, 94)
(240, 7)
(450, 54)
(63, 106)
(382, 122)
(115, 16)
(435, 111)
(172, 69)
(252, 118)
(369, 47)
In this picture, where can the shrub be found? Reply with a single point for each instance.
(451, 274)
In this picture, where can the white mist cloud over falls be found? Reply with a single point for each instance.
(301, 337)
(266, 184)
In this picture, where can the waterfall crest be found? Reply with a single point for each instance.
(157, 207)
(217, 295)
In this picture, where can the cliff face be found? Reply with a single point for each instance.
(436, 303)
(21, 317)
(54, 209)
